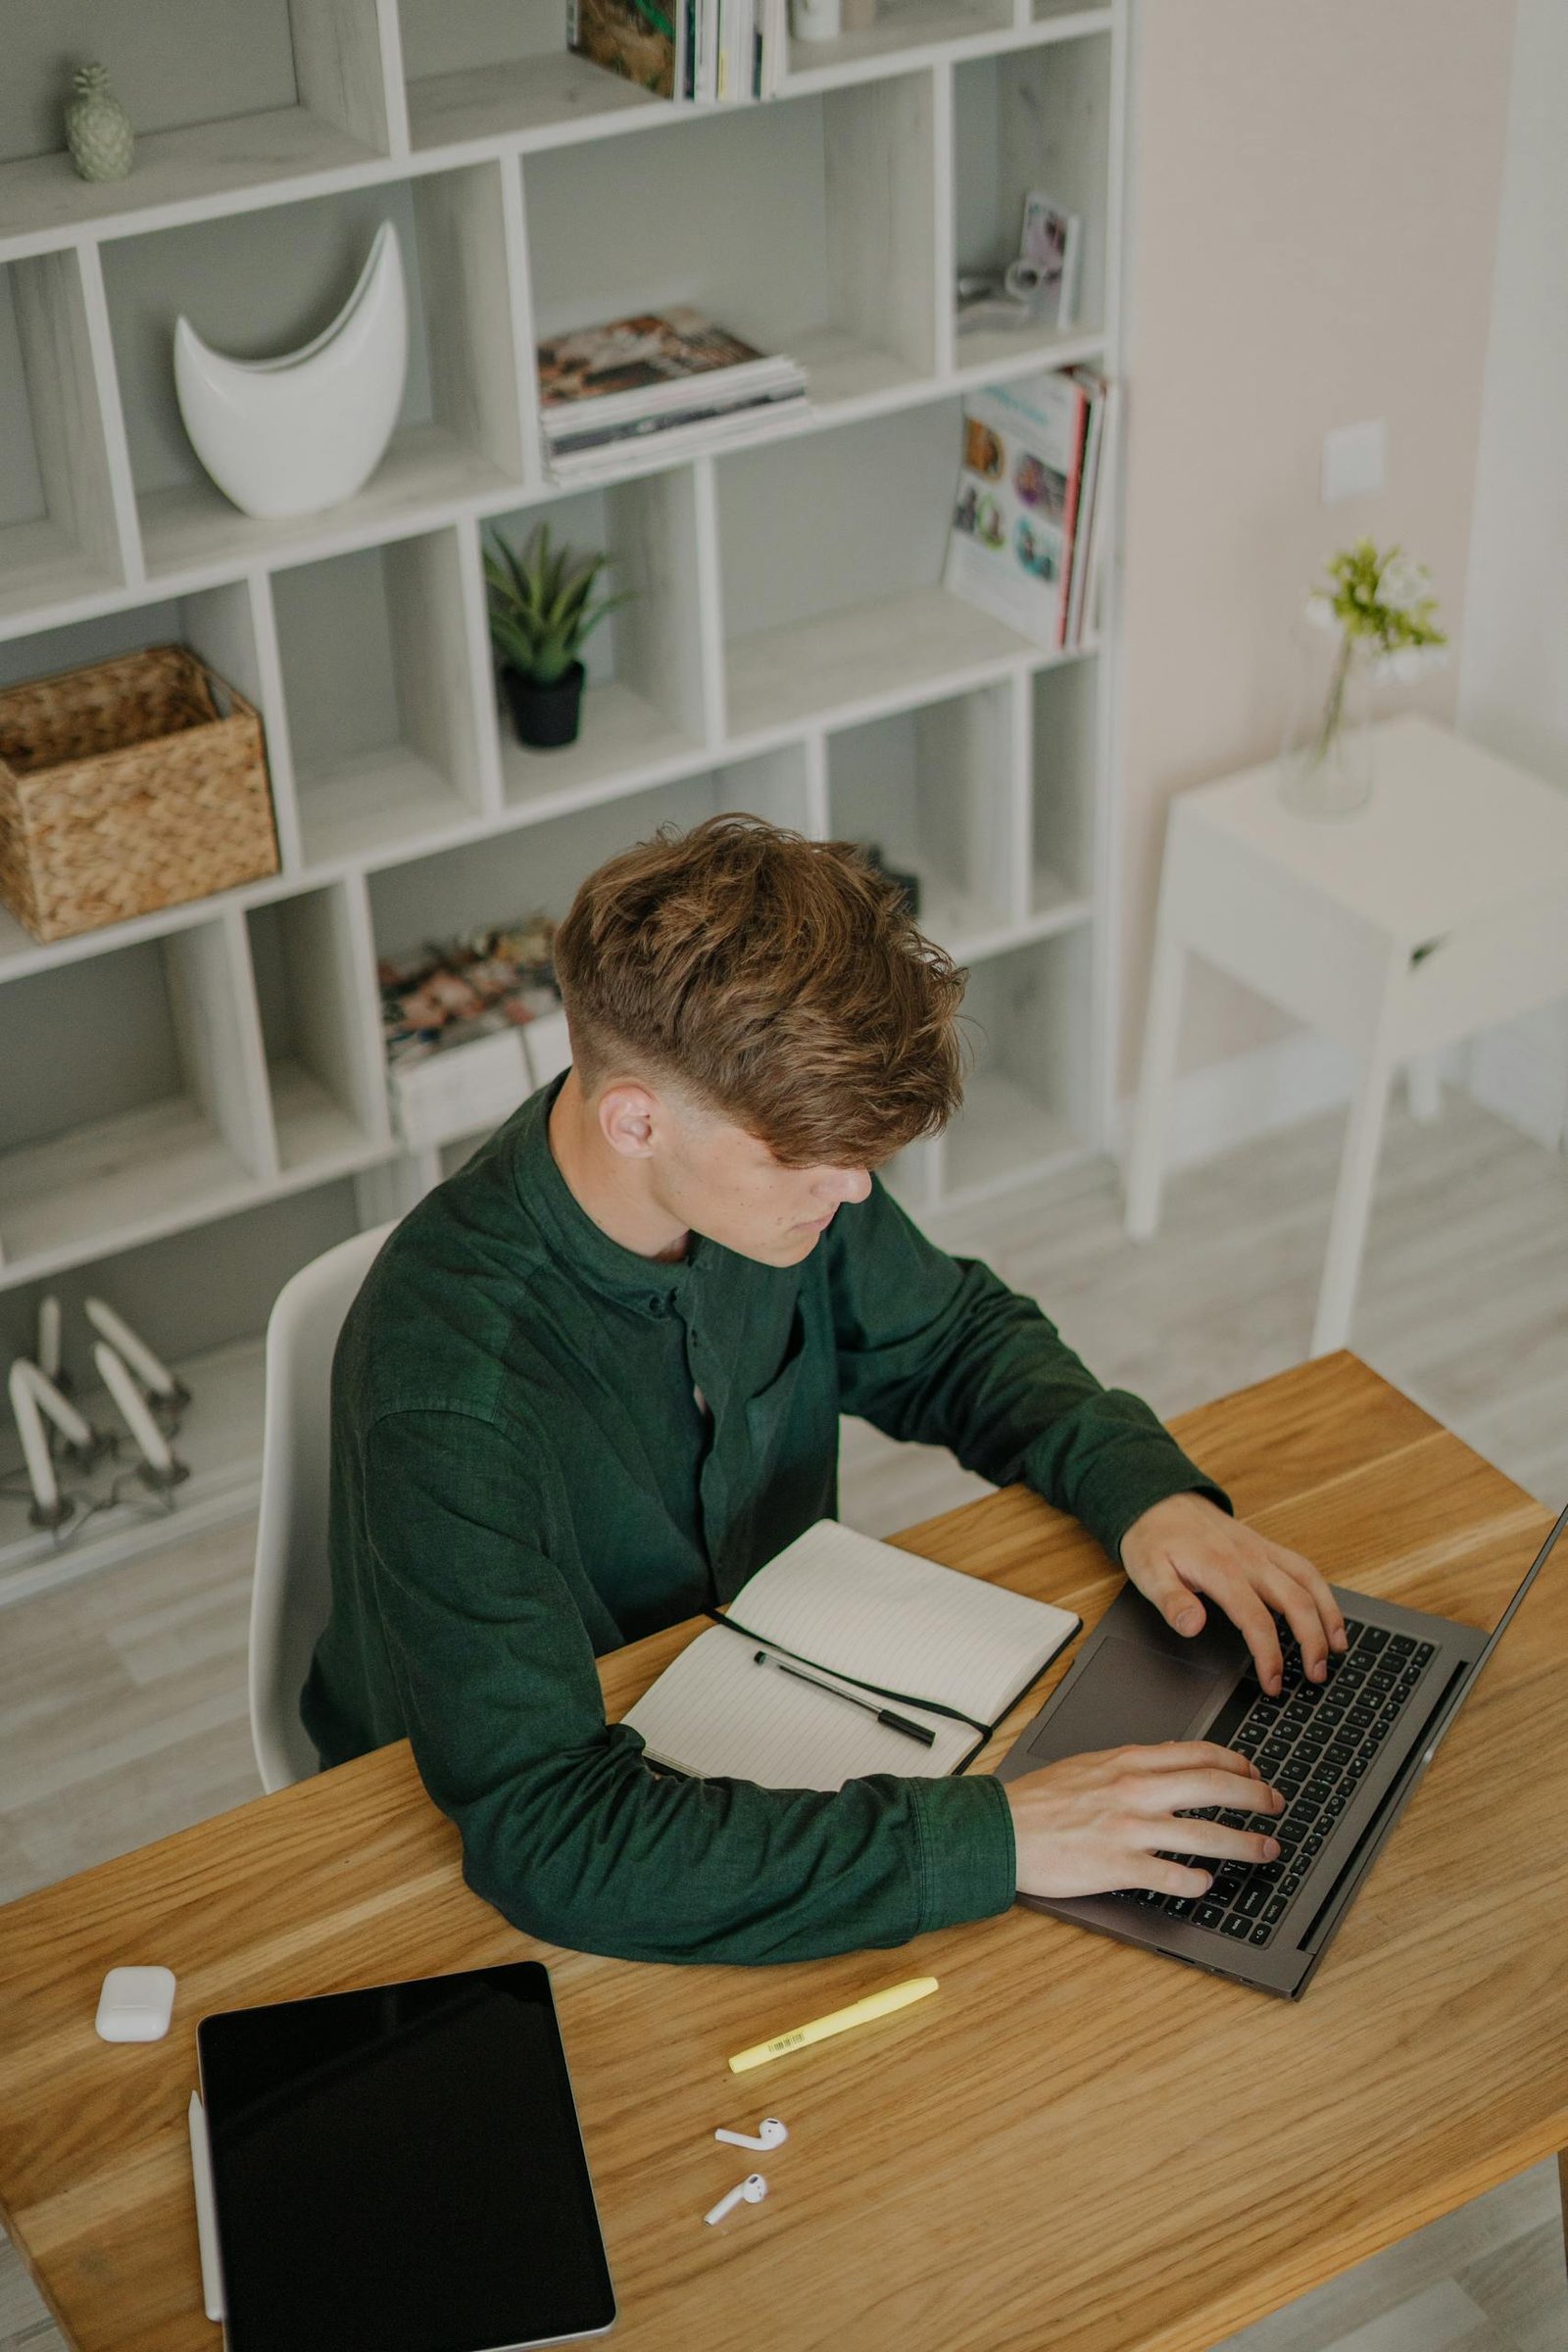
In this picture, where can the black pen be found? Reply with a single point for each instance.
(895, 1723)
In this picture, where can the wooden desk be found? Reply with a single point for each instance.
(1073, 2144)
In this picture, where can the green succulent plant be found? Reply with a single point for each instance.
(541, 604)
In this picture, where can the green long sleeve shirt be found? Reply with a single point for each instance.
(524, 1476)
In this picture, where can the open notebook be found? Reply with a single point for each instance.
(947, 1651)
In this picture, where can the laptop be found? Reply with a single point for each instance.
(1345, 1752)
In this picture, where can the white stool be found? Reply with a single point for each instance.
(1439, 909)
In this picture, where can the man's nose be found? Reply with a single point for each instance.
(850, 1184)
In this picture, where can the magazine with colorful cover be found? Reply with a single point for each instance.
(635, 39)
(639, 362)
(1009, 550)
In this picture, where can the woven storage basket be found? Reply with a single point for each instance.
(125, 786)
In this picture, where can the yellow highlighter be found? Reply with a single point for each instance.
(821, 2028)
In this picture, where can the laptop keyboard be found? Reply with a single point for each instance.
(1315, 1742)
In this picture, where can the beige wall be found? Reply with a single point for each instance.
(1313, 216)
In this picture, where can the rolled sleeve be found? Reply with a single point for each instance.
(969, 1859)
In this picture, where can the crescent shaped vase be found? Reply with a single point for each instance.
(294, 434)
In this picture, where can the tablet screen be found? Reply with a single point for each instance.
(400, 2169)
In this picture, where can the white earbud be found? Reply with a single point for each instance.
(752, 2190)
(771, 2133)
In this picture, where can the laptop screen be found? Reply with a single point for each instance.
(1466, 1681)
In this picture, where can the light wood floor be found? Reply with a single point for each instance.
(122, 1696)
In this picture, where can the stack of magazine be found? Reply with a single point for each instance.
(658, 385)
(1029, 520)
(717, 52)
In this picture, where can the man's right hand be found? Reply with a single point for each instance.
(1092, 1823)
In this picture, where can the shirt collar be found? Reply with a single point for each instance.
(654, 1285)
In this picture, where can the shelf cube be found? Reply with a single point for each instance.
(1027, 1014)
(1067, 764)
(804, 227)
(936, 789)
(483, 72)
(224, 94)
(131, 1098)
(831, 552)
(384, 691)
(647, 696)
(1032, 118)
(310, 955)
(58, 540)
(257, 284)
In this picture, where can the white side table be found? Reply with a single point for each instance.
(1439, 909)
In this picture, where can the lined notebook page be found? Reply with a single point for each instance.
(716, 1713)
(902, 1622)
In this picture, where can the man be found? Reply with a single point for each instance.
(593, 1381)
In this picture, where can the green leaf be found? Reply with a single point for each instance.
(541, 603)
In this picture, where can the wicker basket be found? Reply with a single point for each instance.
(125, 786)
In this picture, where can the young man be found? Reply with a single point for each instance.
(593, 1381)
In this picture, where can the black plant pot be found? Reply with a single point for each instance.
(545, 717)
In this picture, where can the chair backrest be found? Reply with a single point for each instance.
(291, 1595)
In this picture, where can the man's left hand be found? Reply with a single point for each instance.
(1187, 1545)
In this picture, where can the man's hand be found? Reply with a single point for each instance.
(1187, 1544)
(1097, 1822)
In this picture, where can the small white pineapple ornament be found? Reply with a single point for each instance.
(98, 128)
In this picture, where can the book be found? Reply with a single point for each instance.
(714, 52)
(734, 55)
(1098, 392)
(1095, 532)
(648, 363)
(592, 434)
(634, 39)
(649, 452)
(948, 1652)
(1015, 510)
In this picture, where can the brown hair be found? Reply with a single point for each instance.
(783, 980)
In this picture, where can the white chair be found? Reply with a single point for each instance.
(291, 1595)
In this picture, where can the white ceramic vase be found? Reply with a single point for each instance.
(816, 19)
(292, 435)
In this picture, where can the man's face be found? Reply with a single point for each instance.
(726, 1183)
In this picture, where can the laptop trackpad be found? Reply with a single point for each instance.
(1128, 1695)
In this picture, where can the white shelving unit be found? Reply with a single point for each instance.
(199, 1093)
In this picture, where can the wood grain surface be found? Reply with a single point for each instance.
(1076, 2144)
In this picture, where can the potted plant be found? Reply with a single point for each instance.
(541, 610)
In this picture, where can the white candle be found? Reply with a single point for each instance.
(138, 1420)
(135, 1353)
(49, 1335)
(35, 1445)
(61, 1411)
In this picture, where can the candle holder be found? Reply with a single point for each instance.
(159, 1476)
(148, 1397)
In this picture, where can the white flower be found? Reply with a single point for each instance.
(1321, 614)
(1402, 583)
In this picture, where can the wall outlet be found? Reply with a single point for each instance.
(1354, 459)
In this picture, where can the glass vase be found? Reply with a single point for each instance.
(1325, 767)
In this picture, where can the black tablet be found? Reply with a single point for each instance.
(400, 2169)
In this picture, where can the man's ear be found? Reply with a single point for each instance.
(626, 1111)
